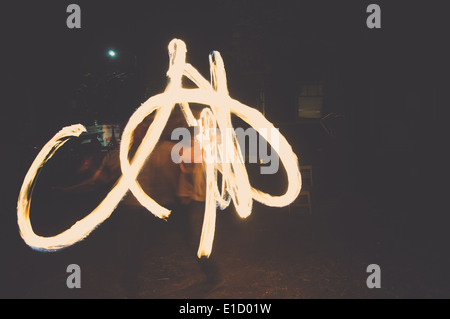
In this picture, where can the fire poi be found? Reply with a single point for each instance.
(235, 186)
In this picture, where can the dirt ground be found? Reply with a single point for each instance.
(279, 253)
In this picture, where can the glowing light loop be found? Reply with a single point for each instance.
(235, 186)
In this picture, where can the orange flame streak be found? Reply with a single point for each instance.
(235, 183)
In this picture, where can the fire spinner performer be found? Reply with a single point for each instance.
(235, 184)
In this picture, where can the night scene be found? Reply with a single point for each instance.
(224, 150)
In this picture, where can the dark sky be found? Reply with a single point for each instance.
(390, 84)
(288, 41)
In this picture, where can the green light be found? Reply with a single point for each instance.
(112, 53)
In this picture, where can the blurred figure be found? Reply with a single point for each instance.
(192, 194)
(158, 177)
(107, 173)
(135, 228)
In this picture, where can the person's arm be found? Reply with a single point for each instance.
(85, 185)
(103, 175)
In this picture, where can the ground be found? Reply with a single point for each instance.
(275, 253)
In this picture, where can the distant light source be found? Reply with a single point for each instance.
(112, 53)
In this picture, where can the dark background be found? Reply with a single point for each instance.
(389, 84)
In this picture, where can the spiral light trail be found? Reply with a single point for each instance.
(217, 117)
